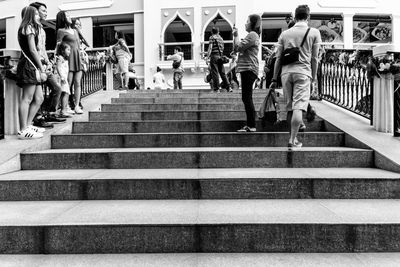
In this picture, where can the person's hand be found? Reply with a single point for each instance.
(235, 32)
(273, 85)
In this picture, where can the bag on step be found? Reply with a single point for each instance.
(269, 108)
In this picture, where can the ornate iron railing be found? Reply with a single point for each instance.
(346, 86)
(396, 108)
(94, 79)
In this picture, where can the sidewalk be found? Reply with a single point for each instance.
(11, 146)
(387, 147)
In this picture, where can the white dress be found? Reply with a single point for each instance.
(63, 71)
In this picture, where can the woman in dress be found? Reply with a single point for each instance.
(124, 56)
(29, 62)
(67, 34)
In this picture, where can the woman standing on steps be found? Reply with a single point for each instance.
(29, 66)
(248, 65)
(65, 33)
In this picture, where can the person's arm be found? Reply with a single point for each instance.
(33, 50)
(83, 40)
(173, 57)
(246, 43)
(60, 35)
(278, 65)
(210, 46)
(314, 57)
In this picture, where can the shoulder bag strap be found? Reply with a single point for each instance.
(305, 36)
(29, 60)
(219, 51)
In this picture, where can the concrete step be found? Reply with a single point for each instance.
(169, 115)
(309, 139)
(208, 226)
(169, 107)
(206, 259)
(200, 93)
(156, 126)
(198, 157)
(181, 100)
(263, 183)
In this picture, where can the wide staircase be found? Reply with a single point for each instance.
(166, 172)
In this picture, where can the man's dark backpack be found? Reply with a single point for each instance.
(291, 55)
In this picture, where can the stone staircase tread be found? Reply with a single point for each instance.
(196, 149)
(199, 212)
(206, 259)
(206, 174)
(196, 133)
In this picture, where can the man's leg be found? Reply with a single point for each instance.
(55, 92)
(221, 70)
(214, 72)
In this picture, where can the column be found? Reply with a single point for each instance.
(396, 30)
(139, 44)
(87, 29)
(348, 30)
(12, 25)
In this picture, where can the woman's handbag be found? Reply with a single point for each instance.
(40, 77)
(291, 55)
(269, 108)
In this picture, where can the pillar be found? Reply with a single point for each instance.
(12, 25)
(396, 31)
(87, 29)
(348, 30)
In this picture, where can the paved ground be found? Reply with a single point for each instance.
(10, 147)
(360, 128)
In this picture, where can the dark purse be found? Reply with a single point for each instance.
(291, 55)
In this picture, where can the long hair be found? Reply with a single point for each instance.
(29, 19)
(61, 48)
(255, 23)
(61, 21)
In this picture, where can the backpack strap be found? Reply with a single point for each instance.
(305, 36)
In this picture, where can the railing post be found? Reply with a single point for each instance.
(396, 109)
(109, 77)
(2, 108)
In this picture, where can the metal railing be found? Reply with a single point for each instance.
(396, 107)
(166, 49)
(94, 79)
(346, 86)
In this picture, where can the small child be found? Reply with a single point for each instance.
(62, 54)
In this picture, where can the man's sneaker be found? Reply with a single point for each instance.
(247, 129)
(36, 129)
(42, 123)
(54, 119)
(230, 90)
(295, 145)
(302, 127)
(78, 110)
(28, 134)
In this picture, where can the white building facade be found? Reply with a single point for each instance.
(155, 27)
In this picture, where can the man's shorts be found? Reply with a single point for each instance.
(296, 91)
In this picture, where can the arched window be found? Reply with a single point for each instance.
(225, 30)
(178, 33)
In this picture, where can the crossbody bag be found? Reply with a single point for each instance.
(291, 55)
